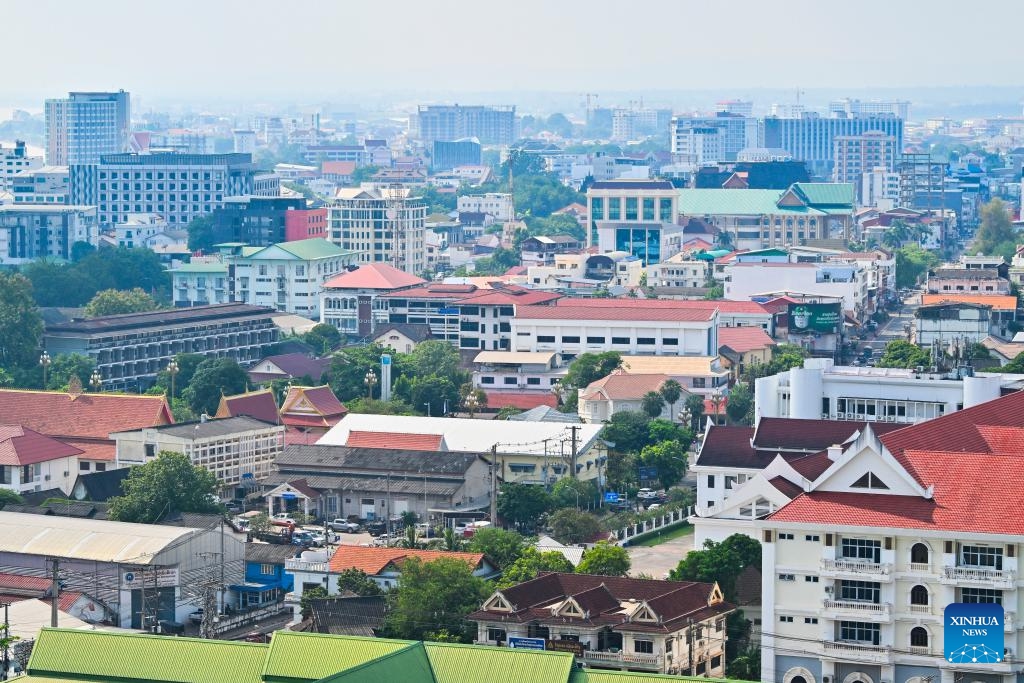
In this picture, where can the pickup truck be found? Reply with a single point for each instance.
(343, 525)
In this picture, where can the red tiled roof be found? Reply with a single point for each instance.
(258, 404)
(295, 436)
(312, 407)
(395, 441)
(374, 276)
(744, 339)
(20, 446)
(999, 302)
(813, 466)
(29, 587)
(373, 561)
(509, 297)
(96, 450)
(24, 583)
(523, 401)
(94, 416)
(338, 167)
(623, 387)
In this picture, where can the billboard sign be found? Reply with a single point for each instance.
(815, 318)
(526, 643)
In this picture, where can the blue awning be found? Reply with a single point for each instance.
(248, 587)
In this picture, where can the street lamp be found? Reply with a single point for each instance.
(173, 369)
(369, 379)
(471, 404)
(45, 361)
(96, 380)
(427, 404)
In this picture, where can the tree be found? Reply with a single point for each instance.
(652, 403)
(558, 124)
(259, 524)
(80, 250)
(434, 395)
(541, 194)
(741, 404)
(200, 234)
(715, 292)
(124, 269)
(68, 365)
(557, 224)
(434, 596)
(660, 429)
(605, 559)
(116, 301)
(722, 562)
(323, 338)
(1015, 366)
(358, 582)
(745, 666)
(213, 378)
(899, 353)
(452, 543)
(586, 368)
(308, 596)
(9, 496)
(498, 545)
(671, 391)
(695, 406)
(472, 399)
(911, 263)
(349, 368)
(168, 483)
(572, 526)
(523, 504)
(187, 365)
(572, 492)
(628, 430)
(21, 327)
(996, 229)
(670, 459)
(436, 357)
(531, 563)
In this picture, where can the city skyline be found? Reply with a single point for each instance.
(535, 47)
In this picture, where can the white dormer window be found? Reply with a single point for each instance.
(497, 603)
(869, 481)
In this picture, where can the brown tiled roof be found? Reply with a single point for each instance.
(20, 446)
(259, 404)
(810, 436)
(89, 416)
(730, 447)
(395, 441)
(324, 408)
(786, 487)
(521, 400)
(622, 386)
(744, 339)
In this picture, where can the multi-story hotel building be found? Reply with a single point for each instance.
(384, 225)
(634, 216)
(491, 125)
(856, 155)
(130, 350)
(31, 231)
(15, 160)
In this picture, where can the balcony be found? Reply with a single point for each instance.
(623, 659)
(859, 652)
(981, 576)
(920, 568)
(303, 566)
(856, 569)
(854, 609)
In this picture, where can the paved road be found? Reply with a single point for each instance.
(658, 560)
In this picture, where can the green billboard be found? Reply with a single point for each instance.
(815, 318)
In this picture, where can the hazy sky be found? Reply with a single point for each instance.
(268, 49)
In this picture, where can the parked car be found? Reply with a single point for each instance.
(646, 494)
(302, 538)
(197, 616)
(344, 525)
(284, 517)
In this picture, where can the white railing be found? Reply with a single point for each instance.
(920, 609)
(920, 568)
(993, 577)
(652, 661)
(859, 567)
(304, 566)
(879, 654)
(879, 609)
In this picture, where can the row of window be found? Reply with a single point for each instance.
(623, 341)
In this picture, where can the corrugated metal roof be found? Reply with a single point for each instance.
(529, 357)
(63, 654)
(298, 656)
(85, 539)
(460, 663)
(408, 665)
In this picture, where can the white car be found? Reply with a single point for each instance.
(283, 517)
(646, 494)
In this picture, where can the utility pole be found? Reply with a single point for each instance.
(55, 589)
(494, 484)
(7, 643)
(389, 508)
(572, 471)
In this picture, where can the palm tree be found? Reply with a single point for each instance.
(652, 403)
(671, 390)
(724, 239)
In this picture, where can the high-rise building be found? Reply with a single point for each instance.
(14, 160)
(86, 125)
(385, 225)
(697, 146)
(856, 155)
(811, 137)
(491, 125)
(736, 132)
(741, 107)
(447, 154)
(244, 141)
(900, 108)
(179, 187)
(633, 124)
(635, 216)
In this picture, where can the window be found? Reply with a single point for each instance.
(811, 579)
(918, 637)
(614, 209)
(859, 632)
(486, 380)
(918, 595)
(267, 569)
(981, 556)
(670, 341)
(711, 481)
(533, 381)
(810, 620)
(862, 549)
(787, 577)
(645, 647)
(595, 340)
(860, 591)
(730, 481)
(570, 340)
(496, 634)
(82, 466)
(511, 380)
(785, 537)
(869, 480)
(786, 620)
(101, 467)
(919, 553)
(545, 339)
(813, 538)
(981, 595)
(620, 340)
(645, 341)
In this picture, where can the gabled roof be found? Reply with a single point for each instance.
(259, 404)
(350, 616)
(374, 276)
(522, 400)
(338, 167)
(311, 407)
(826, 193)
(810, 436)
(396, 441)
(744, 339)
(545, 414)
(414, 332)
(621, 386)
(998, 302)
(269, 553)
(85, 416)
(100, 486)
(295, 365)
(20, 446)
(296, 657)
(373, 561)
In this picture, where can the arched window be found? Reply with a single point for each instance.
(918, 637)
(798, 679)
(919, 595)
(919, 553)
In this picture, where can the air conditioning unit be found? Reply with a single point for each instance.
(1007, 652)
(826, 679)
(828, 590)
(46, 477)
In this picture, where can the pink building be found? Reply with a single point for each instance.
(304, 224)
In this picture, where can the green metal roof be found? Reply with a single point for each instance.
(201, 268)
(460, 663)
(296, 656)
(826, 193)
(69, 654)
(307, 250)
(705, 202)
(408, 665)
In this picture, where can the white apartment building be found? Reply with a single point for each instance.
(43, 185)
(239, 451)
(15, 160)
(517, 371)
(879, 538)
(952, 324)
(138, 228)
(352, 300)
(823, 390)
(201, 282)
(848, 282)
(879, 188)
(34, 462)
(679, 271)
(385, 225)
(31, 231)
(498, 205)
(698, 146)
